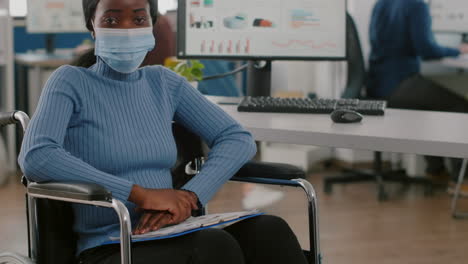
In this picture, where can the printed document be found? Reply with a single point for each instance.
(193, 224)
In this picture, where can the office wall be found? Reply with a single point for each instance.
(25, 41)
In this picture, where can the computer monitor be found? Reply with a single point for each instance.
(262, 29)
(449, 16)
(54, 16)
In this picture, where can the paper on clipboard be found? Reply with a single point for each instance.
(193, 224)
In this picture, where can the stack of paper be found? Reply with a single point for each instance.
(193, 224)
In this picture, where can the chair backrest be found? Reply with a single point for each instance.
(189, 148)
(356, 64)
(57, 239)
(55, 219)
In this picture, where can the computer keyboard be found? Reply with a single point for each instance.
(463, 57)
(311, 106)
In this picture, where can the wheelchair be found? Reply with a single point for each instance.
(51, 239)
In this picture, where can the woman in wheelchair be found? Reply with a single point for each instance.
(109, 121)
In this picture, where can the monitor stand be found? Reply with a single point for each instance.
(259, 78)
(50, 44)
(465, 38)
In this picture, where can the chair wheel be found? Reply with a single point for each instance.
(382, 196)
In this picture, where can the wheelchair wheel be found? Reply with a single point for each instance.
(12, 258)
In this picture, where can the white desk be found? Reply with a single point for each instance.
(460, 63)
(400, 131)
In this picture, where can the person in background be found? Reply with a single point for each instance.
(225, 86)
(165, 43)
(401, 36)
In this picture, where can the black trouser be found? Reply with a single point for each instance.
(259, 240)
(419, 93)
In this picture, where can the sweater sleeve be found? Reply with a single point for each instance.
(422, 36)
(43, 157)
(231, 145)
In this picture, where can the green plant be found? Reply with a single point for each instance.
(192, 70)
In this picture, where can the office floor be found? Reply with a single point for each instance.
(355, 228)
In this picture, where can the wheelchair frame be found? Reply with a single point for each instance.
(83, 194)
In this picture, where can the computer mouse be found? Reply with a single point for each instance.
(346, 116)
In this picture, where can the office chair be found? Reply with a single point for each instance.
(355, 88)
(456, 212)
(50, 218)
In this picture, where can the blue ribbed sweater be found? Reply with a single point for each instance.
(401, 35)
(99, 126)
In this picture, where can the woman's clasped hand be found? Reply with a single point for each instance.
(162, 207)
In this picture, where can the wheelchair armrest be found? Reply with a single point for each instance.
(81, 193)
(7, 118)
(76, 191)
(277, 171)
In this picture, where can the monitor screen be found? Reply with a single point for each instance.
(262, 29)
(449, 15)
(55, 16)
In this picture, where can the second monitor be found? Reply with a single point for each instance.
(262, 29)
(449, 16)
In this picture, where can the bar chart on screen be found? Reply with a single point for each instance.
(449, 15)
(261, 28)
